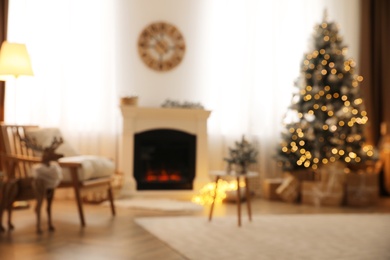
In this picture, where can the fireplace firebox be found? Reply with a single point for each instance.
(164, 159)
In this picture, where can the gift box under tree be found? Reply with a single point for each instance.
(329, 190)
(289, 189)
(362, 186)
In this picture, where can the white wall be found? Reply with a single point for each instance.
(241, 61)
(187, 81)
(134, 77)
(236, 63)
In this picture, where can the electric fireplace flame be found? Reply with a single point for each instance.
(163, 176)
(164, 159)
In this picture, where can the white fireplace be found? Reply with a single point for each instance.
(139, 119)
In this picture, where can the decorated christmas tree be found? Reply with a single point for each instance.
(326, 119)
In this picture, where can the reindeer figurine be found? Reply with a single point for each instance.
(45, 178)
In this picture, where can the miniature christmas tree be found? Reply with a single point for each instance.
(241, 156)
(326, 119)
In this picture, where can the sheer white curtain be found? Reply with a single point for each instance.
(252, 60)
(71, 47)
(250, 56)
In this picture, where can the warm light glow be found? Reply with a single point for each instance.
(207, 192)
(14, 61)
(352, 155)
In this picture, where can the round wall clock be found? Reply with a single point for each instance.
(161, 46)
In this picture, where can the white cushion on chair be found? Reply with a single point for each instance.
(92, 167)
(44, 137)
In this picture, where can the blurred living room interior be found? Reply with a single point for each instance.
(185, 87)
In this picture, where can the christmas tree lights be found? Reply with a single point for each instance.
(326, 119)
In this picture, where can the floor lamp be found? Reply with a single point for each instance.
(14, 62)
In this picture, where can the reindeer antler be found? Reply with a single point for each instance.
(48, 153)
(55, 143)
(32, 143)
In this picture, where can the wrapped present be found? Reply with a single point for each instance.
(303, 175)
(289, 189)
(384, 154)
(362, 188)
(320, 193)
(334, 172)
(329, 190)
(269, 187)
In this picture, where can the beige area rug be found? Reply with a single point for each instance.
(156, 204)
(331, 236)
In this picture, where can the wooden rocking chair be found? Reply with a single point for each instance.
(17, 160)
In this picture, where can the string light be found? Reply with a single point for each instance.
(320, 67)
(207, 192)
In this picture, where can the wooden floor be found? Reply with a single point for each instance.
(107, 237)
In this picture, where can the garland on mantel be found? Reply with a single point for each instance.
(186, 104)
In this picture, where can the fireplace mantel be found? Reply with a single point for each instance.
(139, 119)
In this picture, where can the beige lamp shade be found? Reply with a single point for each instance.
(14, 61)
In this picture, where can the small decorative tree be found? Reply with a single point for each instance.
(242, 156)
